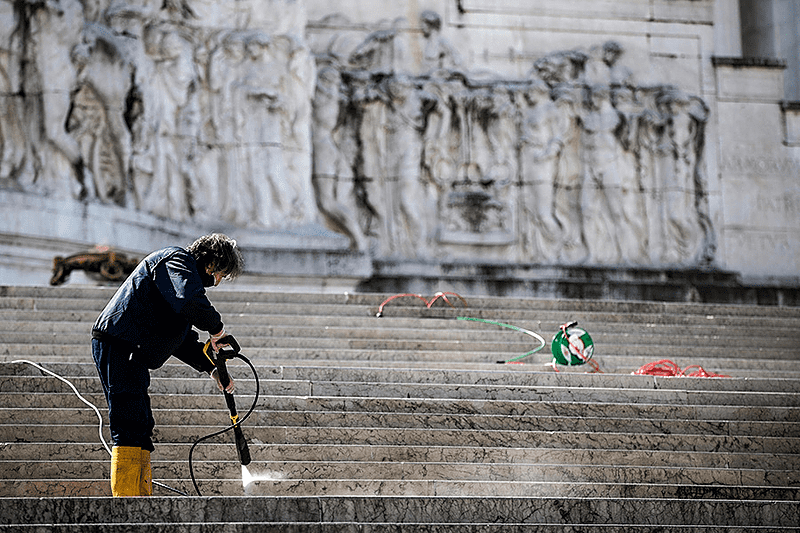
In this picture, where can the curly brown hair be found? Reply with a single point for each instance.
(220, 252)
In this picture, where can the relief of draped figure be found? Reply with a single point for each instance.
(334, 152)
(576, 165)
(140, 105)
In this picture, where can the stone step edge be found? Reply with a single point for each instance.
(413, 379)
(285, 472)
(221, 452)
(210, 405)
(232, 294)
(345, 508)
(420, 527)
(417, 527)
(447, 421)
(691, 489)
(491, 489)
(451, 391)
(436, 437)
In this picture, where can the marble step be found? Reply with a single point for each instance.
(429, 391)
(517, 423)
(423, 360)
(210, 451)
(520, 408)
(753, 367)
(448, 332)
(73, 488)
(627, 358)
(484, 488)
(501, 375)
(82, 310)
(544, 320)
(391, 340)
(560, 422)
(609, 364)
(489, 348)
(290, 406)
(11, 320)
(418, 360)
(232, 294)
(87, 432)
(324, 421)
(454, 510)
(79, 433)
(335, 527)
(713, 316)
(403, 472)
(736, 338)
(748, 364)
(740, 328)
(532, 393)
(427, 360)
(442, 339)
(589, 407)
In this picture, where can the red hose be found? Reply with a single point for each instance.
(667, 368)
(428, 304)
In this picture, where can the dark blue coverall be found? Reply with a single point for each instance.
(149, 319)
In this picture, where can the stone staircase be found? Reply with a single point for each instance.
(407, 423)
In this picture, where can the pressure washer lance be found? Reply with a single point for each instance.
(219, 358)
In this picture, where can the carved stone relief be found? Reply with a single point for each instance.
(215, 113)
(187, 110)
(576, 164)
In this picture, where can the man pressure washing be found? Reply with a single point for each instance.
(149, 319)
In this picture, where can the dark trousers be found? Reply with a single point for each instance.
(125, 383)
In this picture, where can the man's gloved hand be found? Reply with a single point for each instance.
(230, 388)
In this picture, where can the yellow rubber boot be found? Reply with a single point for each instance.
(126, 470)
(146, 481)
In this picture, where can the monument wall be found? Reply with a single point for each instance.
(592, 133)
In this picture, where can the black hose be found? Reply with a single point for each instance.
(229, 428)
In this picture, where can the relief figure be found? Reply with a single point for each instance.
(332, 174)
(541, 145)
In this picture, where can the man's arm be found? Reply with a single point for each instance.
(191, 353)
(202, 315)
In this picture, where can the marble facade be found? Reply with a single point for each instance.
(576, 132)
